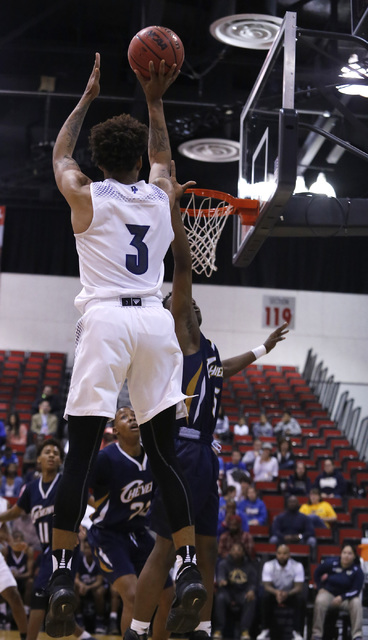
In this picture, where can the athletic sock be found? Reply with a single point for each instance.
(62, 559)
(204, 626)
(139, 627)
(185, 555)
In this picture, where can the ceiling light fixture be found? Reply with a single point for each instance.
(247, 30)
(322, 187)
(211, 150)
(354, 71)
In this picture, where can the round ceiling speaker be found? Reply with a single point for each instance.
(211, 150)
(247, 30)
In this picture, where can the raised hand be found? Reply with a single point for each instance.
(276, 336)
(155, 86)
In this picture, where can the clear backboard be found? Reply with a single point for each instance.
(295, 123)
(268, 141)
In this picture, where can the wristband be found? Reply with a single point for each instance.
(259, 351)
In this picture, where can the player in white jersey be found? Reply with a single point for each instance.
(123, 229)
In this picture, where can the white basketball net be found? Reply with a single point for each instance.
(203, 226)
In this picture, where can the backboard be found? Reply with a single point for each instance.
(268, 141)
(291, 125)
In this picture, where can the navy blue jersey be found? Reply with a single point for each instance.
(87, 572)
(18, 562)
(202, 378)
(122, 488)
(38, 498)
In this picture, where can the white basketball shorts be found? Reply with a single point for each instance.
(6, 577)
(114, 343)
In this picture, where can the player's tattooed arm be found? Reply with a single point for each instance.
(66, 140)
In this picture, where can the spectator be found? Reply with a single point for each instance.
(108, 436)
(44, 421)
(8, 458)
(234, 534)
(250, 456)
(319, 511)
(284, 455)
(231, 509)
(265, 468)
(237, 588)
(283, 580)
(291, 526)
(254, 508)
(339, 583)
(2, 433)
(235, 462)
(222, 429)
(49, 395)
(236, 472)
(298, 484)
(245, 483)
(262, 428)
(11, 482)
(330, 482)
(90, 587)
(15, 430)
(241, 428)
(287, 426)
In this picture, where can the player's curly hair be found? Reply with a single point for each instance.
(118, 143)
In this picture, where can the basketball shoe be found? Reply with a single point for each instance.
(189, 600)
(133, 635)
(60, 620)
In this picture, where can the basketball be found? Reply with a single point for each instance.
(156, 44)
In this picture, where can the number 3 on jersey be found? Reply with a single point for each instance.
(137, 263)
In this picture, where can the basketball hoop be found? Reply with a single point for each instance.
(205, 219)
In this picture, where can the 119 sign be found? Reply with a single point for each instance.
(277, 310)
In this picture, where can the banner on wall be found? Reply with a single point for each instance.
(2, 222)
(278, 309)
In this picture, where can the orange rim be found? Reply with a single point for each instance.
(246, 208)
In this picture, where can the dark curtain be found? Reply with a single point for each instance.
(41, 242)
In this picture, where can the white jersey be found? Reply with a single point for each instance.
(122, 251)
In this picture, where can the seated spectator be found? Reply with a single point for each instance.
(265, 468)
(44, 421)
(330, 482)
(2, 433)
(287, 426)
(16, 432)
(262, 428)
(237, 588)
(235, 462)
(291, 526)
(231, 509)
(222, 429)
(228, 496)
(235, 533)
(283, 581)
(254, 508)
(241, 428)
(284, 454)
(9, 457)
(11, 483)
(319, 511)
(298, 484)
(250, 456)
(108, 436)
(49, 395)
(339, 583)
(89, 586)
(30, 457)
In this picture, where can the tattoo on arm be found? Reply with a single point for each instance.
(159, 140)
(73, 126)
